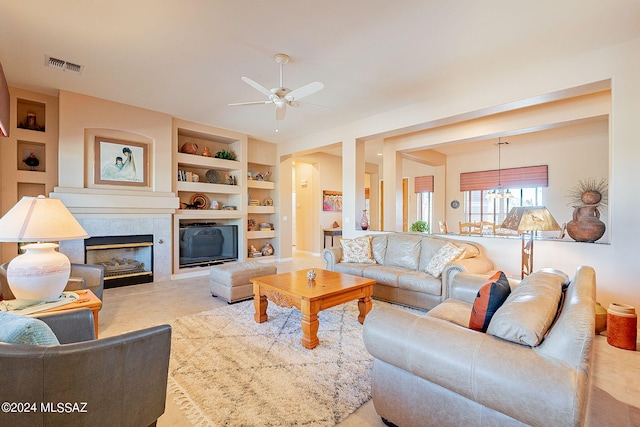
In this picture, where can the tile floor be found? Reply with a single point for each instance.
(615, 395)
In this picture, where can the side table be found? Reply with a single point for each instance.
(331, 232)
(87, 299)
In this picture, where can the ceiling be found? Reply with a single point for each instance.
(186, 58)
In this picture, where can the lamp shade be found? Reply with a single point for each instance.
(41, 273)
(40, 219)
(530, 218)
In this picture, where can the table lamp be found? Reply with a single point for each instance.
(42, 272)
(527, 220)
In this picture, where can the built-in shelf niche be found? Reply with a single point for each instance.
(31, 156)
(31, 115)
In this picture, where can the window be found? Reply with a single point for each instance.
(478, 207)
(423, 202)
(524, 183)
(423, 187)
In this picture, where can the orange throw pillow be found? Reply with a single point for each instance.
(489, 299)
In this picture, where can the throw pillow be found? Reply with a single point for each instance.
(490, 297)
(526, 315)
(445, 255)
(357, 250)
(20, 329)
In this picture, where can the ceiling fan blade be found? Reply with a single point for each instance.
(250, 103)
(257, 86)
(280, 111)
(296, 103)
(303, 91)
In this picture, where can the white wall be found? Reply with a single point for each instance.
(475, 89)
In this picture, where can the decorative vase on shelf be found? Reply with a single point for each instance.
(364, 222)
(586, 225)
(189, 148)
(206, 152)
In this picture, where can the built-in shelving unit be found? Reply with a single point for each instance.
(220, 183)
(29, 156)
(225, 185)
(263, 201)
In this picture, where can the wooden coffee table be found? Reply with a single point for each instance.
(295, 290)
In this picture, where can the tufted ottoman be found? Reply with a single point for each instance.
(231, 281)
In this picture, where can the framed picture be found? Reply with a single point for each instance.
(31, 156)
(119, 162)
(332, 201)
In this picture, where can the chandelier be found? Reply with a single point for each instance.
(499, 192)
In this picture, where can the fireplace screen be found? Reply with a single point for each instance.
(127, 260)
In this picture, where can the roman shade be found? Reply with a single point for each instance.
(524, 177)
(423, 184)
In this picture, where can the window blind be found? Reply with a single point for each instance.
(423, 184)
(524, 177)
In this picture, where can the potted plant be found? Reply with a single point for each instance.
(226, 154)
(420, 227)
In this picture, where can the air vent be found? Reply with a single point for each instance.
(63, 65)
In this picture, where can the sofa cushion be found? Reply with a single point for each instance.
(419, 281)
(489, 299)
(357, 250)
(383, 274)
(353, 268)
(403, 250)
(379, 247)
(429, 247)
(452, 310)
(526, 315)
(20, 329)
(470, 250)
(447, 254)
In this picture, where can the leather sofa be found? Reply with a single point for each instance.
(432, 370)
(401, 261)
(114, 381)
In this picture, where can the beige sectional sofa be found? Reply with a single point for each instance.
(400, 262)
(531, 367)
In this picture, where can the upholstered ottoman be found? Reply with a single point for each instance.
(232, 281)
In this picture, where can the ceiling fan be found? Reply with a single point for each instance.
(281, 96)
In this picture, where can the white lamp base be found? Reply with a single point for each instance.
(39, 274)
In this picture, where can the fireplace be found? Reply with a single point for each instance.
(127, 260)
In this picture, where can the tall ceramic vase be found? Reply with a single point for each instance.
(364, 222)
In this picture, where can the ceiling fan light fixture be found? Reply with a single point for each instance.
(281, 96)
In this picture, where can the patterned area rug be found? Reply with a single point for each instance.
(228, 370)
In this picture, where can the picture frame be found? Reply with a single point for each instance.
(120, 162)
(332, 201)
(31, 156)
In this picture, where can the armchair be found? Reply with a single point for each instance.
(83, 276)
(115, 381)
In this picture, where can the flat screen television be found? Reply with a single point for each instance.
(203, 244)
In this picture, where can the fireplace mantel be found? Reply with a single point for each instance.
(108, 201)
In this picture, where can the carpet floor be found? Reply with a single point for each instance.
(226, 369)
